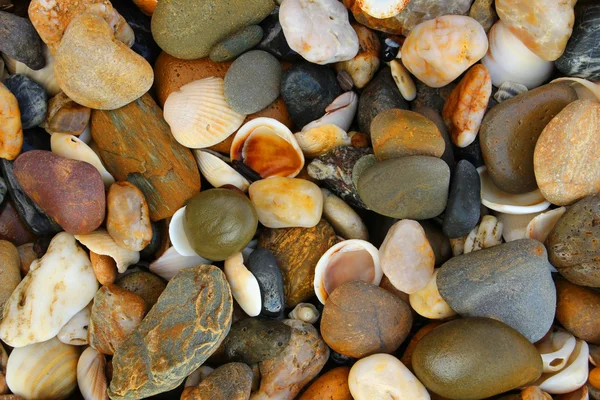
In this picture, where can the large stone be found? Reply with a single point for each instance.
(21, 41)
(231, 381)
(476, 284)
(136, 145)
(253, 340)
(464, 201)
(186, 325)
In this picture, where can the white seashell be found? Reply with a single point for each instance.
(243, 284)
(344, 220)
(350, 260)
(91, 375)
(177, 234)
(198, 376)
(45, 76)
(403, 80)
(340, 112)
(555, 349)
(43, 371)
(508, 90)
(508, 59)
(217, 172)
(322, 139)
(75, 332)
(487, 234)
(540, 227)
(268, 147)
(382, 376)
(429, 303)
(58, 286)
(171, 262)
(382, 8)
(514, 225)
(497, 200)
(584, 88)
(573, 376)
(72, 147)
(198, 114)
(100, 242)
(305, 312)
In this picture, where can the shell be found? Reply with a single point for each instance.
(555, 349)
(199, 115)
(458, 246)
(268, 147)
(100, 242)
(43, 371)
(487, 234)
(340, 112)
(171, 262)
(177, 234)
(382, 8)
(429, 303)
(243, 284)
(321, 139)
(72, 147)
(45, 76)
(508, 59)
(305, 312)
(217, 172)
(496, 199)
(540, 227)
(514, 225)
(322, 285)
(584, 88)
(91, 375)
(345, 221)
(198, 376)
(75, 331)
(573, 376)
(403, 80)
(507, 90)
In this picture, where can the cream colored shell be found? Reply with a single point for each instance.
(177, 234)
(100, 242)
(217, 172)
(243, 284)
(171, 262)
(573, 376)
(75, 331)
(555, 349)
(340, 112)
(91, 375)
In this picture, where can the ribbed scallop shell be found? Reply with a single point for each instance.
(217, 172)
(340, 112)
(43, 371)
(199, 115)
(100, 242)
(244, 286)
(91, 375)
(177, 234)
(171, 262)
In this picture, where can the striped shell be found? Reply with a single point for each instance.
(91, 376)
(217, 172)
(100, 242)
(199, 115)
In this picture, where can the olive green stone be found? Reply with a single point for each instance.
(253, 340)
(219, 223)
(236, 44)
(475, 358)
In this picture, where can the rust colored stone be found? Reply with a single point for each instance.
(594, 378)
(407, 356)
(104, 267)
(231, 381)
(146, 6)
(12, 228)
(578, 310)
(333, 385)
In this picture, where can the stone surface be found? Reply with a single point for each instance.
(231, 381)
(21, 41)
(253, 340)
(274, 40)
(144, 43)
(105, 268)
(510, 131)
(10, 270)
(572, 245)
(66, 116)
(12, 228)
(458, 359)
(186, 325)
(297, 251)
(360, 319)
(414, 187)
(578, 310)
(32, 98)
(11, 133)
(436, 118)
(565, 163)
(144, 284)
(189, 30)
(475, 285)
(115, 314)
(483, 11)
(236, 44)
(464, 201)
(3, 190)
(167, 174)
(263, 265)
(127, 219)
(332, 385)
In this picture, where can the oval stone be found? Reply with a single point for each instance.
(578, 310)
(263, 265)
(10, 270)
(253, 340)
(231, 381)
(332, 385)
(32, 98)
(128, 220)
(21, 41)
(236, 44)
(144, 284)
(475, 358)
(414, 187)
(464, 201)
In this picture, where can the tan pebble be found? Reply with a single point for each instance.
(363, 66)
(27, 255)
(10, 271)
(3, 362)
(104, 267)
(345, 221)
(128, 221)
(66, 116)
(403, 80)
(429, 303)
(534, 393)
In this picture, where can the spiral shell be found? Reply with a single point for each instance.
(91, 375)
(305, 312)
(244, 286)
(171, 262)
(199, 115)
(217, 172)
(100, 242)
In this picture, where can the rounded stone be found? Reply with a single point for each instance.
(128, 220)
(413, 187)
(21, 41)
(144, 43)
(475, 358)
(236, 44)
(436, 117)
(32, 98)
(573, 246)
(332, 385)
(360, 319)
(219, 223)
(578, 310)
(476, 284)
(144, 284)
(253, 340)
(464, 201)
(263, 265)
(232, 381)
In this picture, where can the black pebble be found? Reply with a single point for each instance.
(464, 202)
(263, 265)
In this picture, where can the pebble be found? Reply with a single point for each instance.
(32, 98)
(75, 332)
(487, 367)
(274, 40)
(572, 245)
(116, 313)
(253, 340)
(127, 219)
(344, 220)
(483, 11)
(362, 67)
(3, 190)
(428, 302)
(351, 312)
(143, 284)
(464, 201)
(332, 385)
(44, 76)
(578, 309)
(263, 265)
(232, 381)
(510, 130)
(11, 133)
(12, 228)
(564, 161)
(21, 41)
(419, 191)
(144, 43)
(196, 301)
(10, 270)
(237, 44)
(475, 285)
(252, 82)
(403, 80)
(436, 117)
(244, 286)
(66, 116)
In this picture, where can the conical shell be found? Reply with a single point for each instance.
(43, 371)
(75, 332)
(555, 349)
(45, 76)
(177, 234)
(572, 376)
(305, 312)
(199, 115)
(243, 284)
(340, 112)
(217, 172)
(100, 242)
(72, 147)
(540, 227)
(321, 139)
(91, 375)
(171, 262)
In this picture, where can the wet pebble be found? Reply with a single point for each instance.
(232, 381)
(464, 201)
(236, 44)
(32, 98)
(21, 40)
(263, 265)
(365, 64)
(253, 340)
(332, 385)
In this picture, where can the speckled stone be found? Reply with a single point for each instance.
(144, 284)
(20, 41)
(483, 11)
(464, 201)
(231, 381)
(32, 98)
(236, 44)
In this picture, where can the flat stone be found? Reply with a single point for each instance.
(253, 340)
(263, 265)
(21, 41)
(578, 310)
(231, 381)
(274, 40)
(32, 98)
(236, 44)
(144, 284)
(464, 201)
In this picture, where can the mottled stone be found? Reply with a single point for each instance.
(274, 40)
(464, 201)
(236, 44)
(127, 219)
(186, 325)
(144, 284)
(483, 12)
(231, 381)
(11, 131)
(10, 270)
(136, 145)
(32, 98)
(263, 265)
(21, 41)
(253, 340)
(578, 310)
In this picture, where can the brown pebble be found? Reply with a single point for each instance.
(105, 268)
(578, 310)
(10, 271)
(145, 284)
(333, 385)
(231, 381)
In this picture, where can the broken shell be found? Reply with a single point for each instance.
(45, 76)
(305, 312)
(72, 147)
(507, 90)
(340, 112)
(243, 284)
(100, 242)
(429, 303)
(363, 66)
(508, 59)
(382, 8)
(177, 235)
(75, 331)
(495, 199)
(43, 371)
(11, 132)
(344, 220)
(573, 376)
(487, 234)
(403, 80)
(171, 262)
(555, 349)
(91, 375)
(268, 147)
(514, 225)
(321, 139)
(217, 172)
(458, 246)
(540, 227)
(198, 114)
(350, 260)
